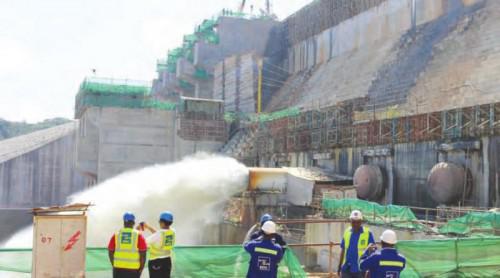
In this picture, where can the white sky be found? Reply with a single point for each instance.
(47, 47)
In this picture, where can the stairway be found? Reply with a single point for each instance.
(240, 145)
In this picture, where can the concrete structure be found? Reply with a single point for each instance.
(236, 36)
(236, 82)
(387, 83)
(37, 169)
(114, 140)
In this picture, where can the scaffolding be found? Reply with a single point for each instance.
(336, 126)
(121, 93)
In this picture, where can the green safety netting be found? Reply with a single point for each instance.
(390, 215)
(114, 86)
(475, 223)
(468, 257)
(262, 117)
(124, 102)
(196, 261)
(100, 92)
(161, 65)
(266, 117)
(186, 85)
(201, 74)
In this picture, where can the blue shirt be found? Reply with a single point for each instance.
(351, 260)
(265, 257)
(383, 263)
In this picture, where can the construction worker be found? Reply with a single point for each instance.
(356, 239)
(161, 244)
(265, 254)
(127, 250)
(386, 262)
(278, 239)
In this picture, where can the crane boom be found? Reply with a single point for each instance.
(242, 6)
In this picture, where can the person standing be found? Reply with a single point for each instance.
(127, 250)
(161, 244)
(265, 254)
(356, 239)
(278, 239)
(386, 262)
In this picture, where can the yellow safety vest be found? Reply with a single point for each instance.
(126, 254)
(166, 246)
(362, 242)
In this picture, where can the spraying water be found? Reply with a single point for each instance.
(194, 189)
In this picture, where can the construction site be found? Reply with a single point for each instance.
(389, 107)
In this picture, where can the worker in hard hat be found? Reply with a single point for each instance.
(127, 250)
(278, 239)
(386, 262)
(265, 254)
(356, 239)
(161, 244)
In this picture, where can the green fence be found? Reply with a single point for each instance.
(470, 257)
(473, 223)
(390, 215)
(196, 261)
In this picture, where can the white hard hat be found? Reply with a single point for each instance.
(356, 215)
(389, 236)
(269, 227)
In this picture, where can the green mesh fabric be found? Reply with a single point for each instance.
(189, 262)
(161, 65)
(262, 117)
(186, 85)
(266, 117)
(123, 102)
(391, 215)
(473, 223)
(96, 92)
(471, 257)
(201, 74)
(114, 86)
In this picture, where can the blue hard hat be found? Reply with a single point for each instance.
(128, 216)
(167, 216)
(266, 217)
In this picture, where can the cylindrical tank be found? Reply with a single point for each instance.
(446, 183)
(369, 182)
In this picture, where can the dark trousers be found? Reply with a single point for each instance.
(160, 268)
(125, 273)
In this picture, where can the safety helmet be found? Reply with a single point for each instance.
(167, 216)
(389, 236)
(128, 217)
(264, 218)
(269, 227)
(356, 215)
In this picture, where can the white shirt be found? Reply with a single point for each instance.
(156, 240)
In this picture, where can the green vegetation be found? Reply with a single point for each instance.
(12, 129)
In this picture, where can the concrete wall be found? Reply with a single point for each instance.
(388, 19)
(236, 82)
(42, 177)
(115, 140)
(408, 167)
(237, 36)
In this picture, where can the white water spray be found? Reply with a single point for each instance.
(194, 189)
